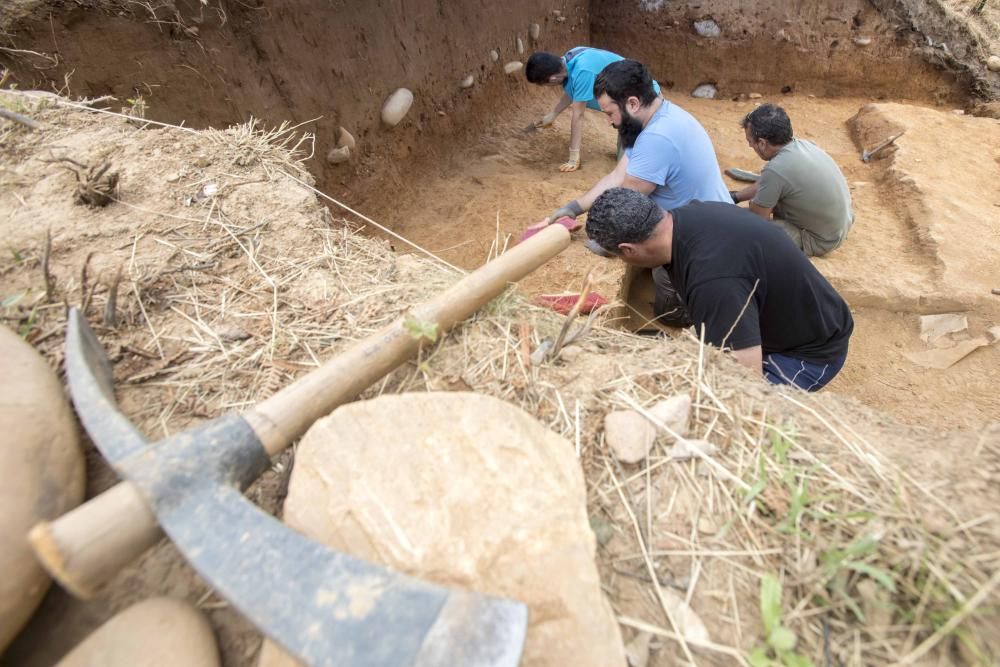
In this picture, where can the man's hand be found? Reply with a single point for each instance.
(570, 210)
(572, 164)
(547, 120)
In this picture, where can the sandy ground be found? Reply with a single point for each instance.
(509, 179)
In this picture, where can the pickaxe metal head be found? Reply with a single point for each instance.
(324, 607)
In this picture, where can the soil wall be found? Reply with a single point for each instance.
(836, 47)
(219, 63)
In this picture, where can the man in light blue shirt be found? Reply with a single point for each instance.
(668, 155)
(576, 72)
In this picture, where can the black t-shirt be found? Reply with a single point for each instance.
(720, 252)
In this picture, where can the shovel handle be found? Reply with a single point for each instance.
(86, 547)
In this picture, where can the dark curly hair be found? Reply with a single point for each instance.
(770, 122)
(624, 79)
(621, 215)
(541, 66)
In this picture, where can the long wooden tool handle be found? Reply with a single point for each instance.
(84, 548)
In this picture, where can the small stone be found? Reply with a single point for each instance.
(467, 82)
(755, 96)
(706, 526)
(556, 13)
(441, 112)
(862, 41)
(345, 138)
(396, 106)
(520, 46)
(173, 178)
(629, 435)
(338, 155)
(560, 19)
(495, 55)
(570, 354)
(707, 28)
(674, 412)
(513, 67)
(691, 449)
(958, 112)
(535, 31)
(202, 161)
(993, 63)
(705, 91)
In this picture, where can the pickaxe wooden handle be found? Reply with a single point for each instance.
(86, 547)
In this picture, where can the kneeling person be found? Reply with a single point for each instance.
(801, 186)
(741, 279)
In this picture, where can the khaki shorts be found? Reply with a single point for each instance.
(809, 243)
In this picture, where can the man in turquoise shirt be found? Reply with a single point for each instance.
(576, 72)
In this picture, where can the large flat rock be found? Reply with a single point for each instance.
(467, 491)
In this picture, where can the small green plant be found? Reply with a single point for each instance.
(421, 330)
(779, 650)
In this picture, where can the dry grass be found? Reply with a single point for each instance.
(794, 491)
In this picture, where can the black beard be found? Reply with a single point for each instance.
(629, 129)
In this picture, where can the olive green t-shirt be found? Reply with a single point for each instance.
(805, 187)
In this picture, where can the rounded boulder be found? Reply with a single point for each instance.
(45, 473)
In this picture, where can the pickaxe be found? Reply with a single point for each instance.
(324, 607)
(867, 155)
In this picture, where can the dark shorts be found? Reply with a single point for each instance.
(668, 306)
(806, 375)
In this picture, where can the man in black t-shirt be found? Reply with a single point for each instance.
(743, 281)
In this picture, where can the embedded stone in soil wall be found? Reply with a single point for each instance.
(396, 106)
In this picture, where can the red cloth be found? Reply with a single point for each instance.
(572, 224)
(563, 303)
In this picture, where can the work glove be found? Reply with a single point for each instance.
(733, 194)
(570, 210)
(572, 164)
(546, 120)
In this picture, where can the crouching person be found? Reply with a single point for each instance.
(740, 278)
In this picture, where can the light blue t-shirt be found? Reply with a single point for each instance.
(583, 64)
(676, 153)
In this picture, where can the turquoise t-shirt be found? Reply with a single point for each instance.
(675, 152)
(583, 64)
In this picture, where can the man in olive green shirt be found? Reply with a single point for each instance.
(802, 189)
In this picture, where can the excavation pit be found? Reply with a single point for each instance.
(458, 178)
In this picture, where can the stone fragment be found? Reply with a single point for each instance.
(338, 155)
(705, 91)
(159, 632)
(941, 324)
(520, 46)
(467, 82)
(560, 19)
(707, 28)
(467, 491)
(755, 96)
(629, 435)
(556, 13)
(495, 55)
(513, 67)
(674, 412)
(45, 473)
(862, 41)
(396, 106)
(345, 138)
(534, 32)
(993, 63)
(690, 449)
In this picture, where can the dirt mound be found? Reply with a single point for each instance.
(228, 292)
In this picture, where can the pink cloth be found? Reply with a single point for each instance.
(563, 303)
